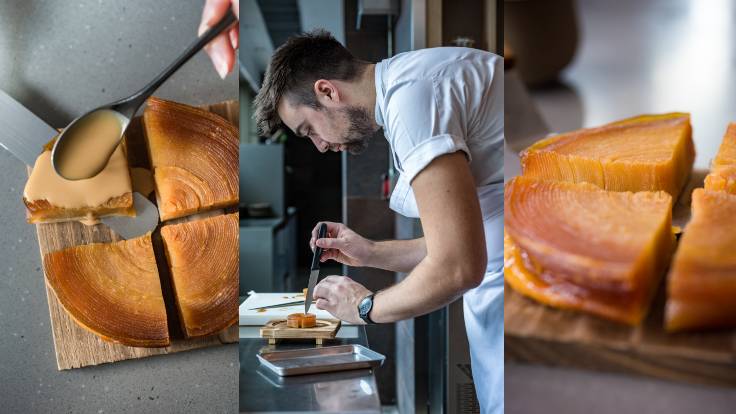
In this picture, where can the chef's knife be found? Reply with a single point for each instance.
(24, 135)
(314, 270)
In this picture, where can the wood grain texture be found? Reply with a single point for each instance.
(535, 333)
(75, 346)
(325, 329)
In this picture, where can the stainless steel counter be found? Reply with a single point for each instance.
(341, 392)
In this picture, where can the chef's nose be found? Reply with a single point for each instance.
(322, 146)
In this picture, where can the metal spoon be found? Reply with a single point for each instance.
(124, 110)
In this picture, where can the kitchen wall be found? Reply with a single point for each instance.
(363, 209)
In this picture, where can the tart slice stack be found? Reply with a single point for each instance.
(577, 246)
(701, 288)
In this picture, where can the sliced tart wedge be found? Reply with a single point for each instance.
(644, 153)
(576, 246)
(50, 198)
(701, 288)
(203, 257)
(112, 290)
(194, 156)
(722, 175)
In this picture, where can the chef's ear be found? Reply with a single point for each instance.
(327, 93)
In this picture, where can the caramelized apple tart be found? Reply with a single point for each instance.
(194, 157)
(112, 290)
(203, 257)
(644, 153)
(576, 246)
(701, 288)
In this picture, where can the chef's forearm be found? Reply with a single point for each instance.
(397, 255)
(431, 285)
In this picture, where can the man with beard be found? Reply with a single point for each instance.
(442, 112)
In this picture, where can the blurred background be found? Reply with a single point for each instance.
(583, 63)
(287, 186)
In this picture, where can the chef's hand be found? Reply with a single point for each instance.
(342, 245)
(222, 48)
(340, 296)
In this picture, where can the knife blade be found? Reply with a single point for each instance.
(314, 270)
(24, 134)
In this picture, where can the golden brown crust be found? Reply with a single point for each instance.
(203, 257)
(194, 157)
(112, 290)
(41, 211)
(301, 320)
(701, 286)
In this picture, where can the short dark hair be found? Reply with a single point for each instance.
(294, 67)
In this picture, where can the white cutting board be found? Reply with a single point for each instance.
(248, 317)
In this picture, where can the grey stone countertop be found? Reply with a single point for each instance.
(60, 58)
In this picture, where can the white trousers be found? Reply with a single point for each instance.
(483, 311)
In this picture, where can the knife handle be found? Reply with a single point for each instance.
(317, 249)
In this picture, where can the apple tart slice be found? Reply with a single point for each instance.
(203, 257)
(194, 157)
(112, 290)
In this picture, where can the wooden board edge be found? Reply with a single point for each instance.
(572, 355)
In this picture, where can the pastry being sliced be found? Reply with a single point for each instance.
(576, 246)
(722, 176)
(50, 198)
(644, 153)
(301, 320)
(112, 290)
(203, 258)
(701, 289)
(194, 156)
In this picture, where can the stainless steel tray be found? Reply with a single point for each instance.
(322, 359)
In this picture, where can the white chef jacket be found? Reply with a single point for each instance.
(439, 101)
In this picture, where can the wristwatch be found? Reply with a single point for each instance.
(365, 307)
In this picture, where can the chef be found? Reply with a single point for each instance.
(441, 111)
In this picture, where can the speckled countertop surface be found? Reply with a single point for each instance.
(60, 58)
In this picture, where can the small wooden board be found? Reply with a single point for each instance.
(535, 333)
(76, 347)
(277, 329)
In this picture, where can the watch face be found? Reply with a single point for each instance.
(365, 306)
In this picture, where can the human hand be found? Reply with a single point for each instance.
(340, 296)
(222, 48)
(342, 245)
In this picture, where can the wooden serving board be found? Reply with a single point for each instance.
(76, 347)
(277, 329)
(535, 333)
